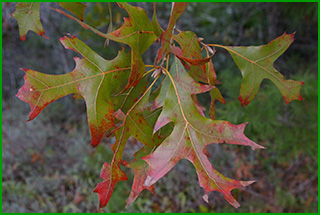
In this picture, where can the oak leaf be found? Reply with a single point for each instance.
(137, 31)
(256, 64)
(93, 79)
(192, 132)
(27, 15)
(141, 171)
(169, 122)
(135, 125)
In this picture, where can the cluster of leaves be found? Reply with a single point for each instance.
(168, 121)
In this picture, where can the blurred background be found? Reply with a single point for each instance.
(48, 164)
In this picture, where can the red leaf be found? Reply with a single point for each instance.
(191, 134)
(141, 171)
(200, 61)
(111, 174)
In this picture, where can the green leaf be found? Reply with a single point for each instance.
(94, 79)
(137, 31)
(256, 64)
(191, 134)
(77, 8)
(28, 16)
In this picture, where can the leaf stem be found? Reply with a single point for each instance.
(217, 45)
(151, 70)
(168, 58)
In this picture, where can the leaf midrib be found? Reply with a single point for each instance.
(78, 80)
(186, 126)
(26, 19)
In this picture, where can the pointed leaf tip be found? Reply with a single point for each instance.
(111, 175)
(244, 101)
(206, 198)
(246, 183)
(147, 182)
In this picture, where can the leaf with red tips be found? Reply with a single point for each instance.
(256, 64)
(110, 175)
(92, 79)
(170, 123)
(77, 8)
(28, 16)
(141, 171)
(192, 132)
(137, 31)
(166, 36)
(139, 166)
(134, 125)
